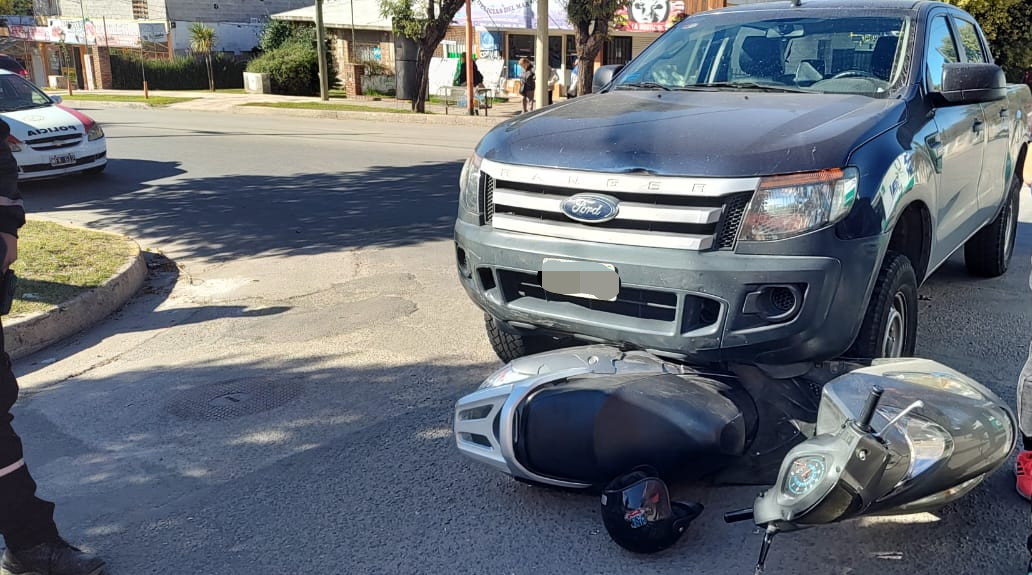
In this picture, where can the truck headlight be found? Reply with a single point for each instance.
(95, 133)
(787, 206)
(469, 186)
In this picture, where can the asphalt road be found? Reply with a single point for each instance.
(279, 398)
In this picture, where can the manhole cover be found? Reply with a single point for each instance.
(234, 398)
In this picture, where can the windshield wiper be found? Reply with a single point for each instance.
(745, 86)
(643, 86)
(23, 107)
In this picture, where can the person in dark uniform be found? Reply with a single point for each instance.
(26, 521)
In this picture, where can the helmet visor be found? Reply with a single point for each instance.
(645, 501)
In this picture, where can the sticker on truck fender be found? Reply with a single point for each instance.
(898, 181)
(590, 280)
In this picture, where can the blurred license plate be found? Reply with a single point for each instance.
(62, 160)
(580, 279)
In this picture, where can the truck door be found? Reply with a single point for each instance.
(956, 146)
(992, 183)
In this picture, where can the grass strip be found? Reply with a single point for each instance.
(56, 263)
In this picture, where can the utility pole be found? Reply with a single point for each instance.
(86, 58)
(470, 104)
(541, 55)
(320, 39)
(351, 48)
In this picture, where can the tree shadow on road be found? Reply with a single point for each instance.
(235, 216)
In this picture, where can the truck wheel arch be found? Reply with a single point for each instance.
(1022, 166)
(912, 237)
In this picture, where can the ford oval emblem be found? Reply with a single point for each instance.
(590, 208)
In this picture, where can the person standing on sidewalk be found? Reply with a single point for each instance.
(26, 521)
(1023, 466)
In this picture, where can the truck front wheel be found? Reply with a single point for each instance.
(508, 346)
(988, 253)
(890, 325)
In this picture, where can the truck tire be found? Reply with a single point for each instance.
(509, 346)
(890, 325)
(988, 253)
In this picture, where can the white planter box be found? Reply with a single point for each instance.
(257, 83)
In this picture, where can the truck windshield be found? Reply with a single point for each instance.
(829, 54)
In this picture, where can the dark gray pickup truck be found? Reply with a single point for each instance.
(768, 183)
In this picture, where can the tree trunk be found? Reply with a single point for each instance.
(211, 75)
(588, 47)
(427, 46)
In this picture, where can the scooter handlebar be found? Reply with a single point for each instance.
(864, 422)
(739, 515)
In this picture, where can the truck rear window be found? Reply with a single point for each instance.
(846, 54)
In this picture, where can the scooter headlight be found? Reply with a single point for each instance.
(942, 381)
(927, 442)
(504, 376)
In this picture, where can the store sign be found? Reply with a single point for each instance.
(114, 33)
(520, 14)
(649, 15)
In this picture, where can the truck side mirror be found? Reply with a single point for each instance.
(604, 75)
(972, 83)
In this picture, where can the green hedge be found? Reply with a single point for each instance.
(292, 68)
(181, 73)
(290, 59)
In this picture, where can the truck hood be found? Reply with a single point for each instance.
(715, 134)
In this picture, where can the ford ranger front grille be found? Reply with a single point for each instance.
(667, 212)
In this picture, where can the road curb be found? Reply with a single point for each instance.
(31, 333)
(399, 118)
(102, 104)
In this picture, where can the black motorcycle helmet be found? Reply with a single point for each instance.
(638, 513)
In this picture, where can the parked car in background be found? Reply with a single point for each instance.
(47, 138)
(9, 63)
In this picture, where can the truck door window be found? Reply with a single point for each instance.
(970, 41)
(941, 51)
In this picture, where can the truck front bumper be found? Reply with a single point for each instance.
(710, 306)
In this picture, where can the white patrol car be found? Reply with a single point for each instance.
(47, 138)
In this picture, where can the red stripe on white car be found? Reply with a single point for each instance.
(87, 122)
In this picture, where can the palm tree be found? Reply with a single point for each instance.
(202, 39)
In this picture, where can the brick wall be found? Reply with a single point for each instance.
(457, 34)
(351, 79)
(101, 67)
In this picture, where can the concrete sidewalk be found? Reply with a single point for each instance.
(233, 102)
